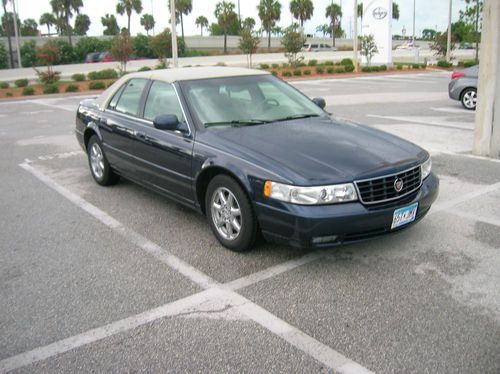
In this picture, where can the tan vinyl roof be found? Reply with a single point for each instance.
(178, 74)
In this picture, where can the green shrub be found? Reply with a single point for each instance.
(4, 57)
(320, 70)
(286, 74)
(382, 67)
(285, 65)
(103, 74)
(467, 63)
(147, 68)
(99, 85)
(399, 66)
(444, 64)
(78, 77)
(141, 46)
(66, 54)
(301, 64)
(220, 63)
(415, 66)
(339, 70)
(9, 94)
(28, 91)
(21, 82)
(275, 66)
(28, 54)
(274, 72)
(72, 88)
(424, 65)
(51, 88)
(111, 83)
(297, 72)
(4, 84)
(349, 68)
(346, 62)
(264, 66)
(307, 72)
(312, 62)
(330, 70)
(328, 63)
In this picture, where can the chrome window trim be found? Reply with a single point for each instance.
(150, 123)
(386, 176)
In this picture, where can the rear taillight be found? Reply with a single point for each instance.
(457, 75)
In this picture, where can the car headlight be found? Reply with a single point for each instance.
(315, 195)
(426, 168)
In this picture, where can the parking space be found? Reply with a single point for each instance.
(118, 278)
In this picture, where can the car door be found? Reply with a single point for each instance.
(167, 153)
(119, 128)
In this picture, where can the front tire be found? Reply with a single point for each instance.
(230, 214)
(99, 166)
(469, 99)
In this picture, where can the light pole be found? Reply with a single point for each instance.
(152, 12)
(355, 36)
(413, 38)
(448, 42)
(174, 33)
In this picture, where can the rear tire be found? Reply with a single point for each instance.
(230, 214)
(100, 169)
(469, 98)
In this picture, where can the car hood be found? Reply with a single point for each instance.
(319, 150)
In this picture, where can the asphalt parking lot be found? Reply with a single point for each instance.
(100, 279)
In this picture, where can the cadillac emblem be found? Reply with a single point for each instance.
(398, 185)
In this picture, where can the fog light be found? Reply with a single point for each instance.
(324, 239)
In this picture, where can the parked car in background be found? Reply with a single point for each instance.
(463, 86)
(256, 156)
(106, 57)
(318, 47)
(409, 45)
(466, 46)
(93, 57)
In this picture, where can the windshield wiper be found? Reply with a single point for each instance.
(297, 116)
(237, 123)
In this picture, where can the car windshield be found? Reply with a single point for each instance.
(246, 101)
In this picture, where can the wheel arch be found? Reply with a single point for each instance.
(91, 129)
(208, 173)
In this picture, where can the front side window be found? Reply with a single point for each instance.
(130, 98)
(236, 101)
(162, 99)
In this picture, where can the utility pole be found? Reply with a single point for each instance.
(413, 38)
(477, 30)
(487, 128)
(16, 33)
(355, 36)
(239, 14)
(174, 33)
(448, 43)
(152, 12)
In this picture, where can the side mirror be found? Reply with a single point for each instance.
(166, 122)
(319, 101)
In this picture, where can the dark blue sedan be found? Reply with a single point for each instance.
(256, 156)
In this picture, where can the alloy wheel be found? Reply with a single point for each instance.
(226, 213)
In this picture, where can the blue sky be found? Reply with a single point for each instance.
(429, 14)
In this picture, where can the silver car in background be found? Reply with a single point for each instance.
(463, 86)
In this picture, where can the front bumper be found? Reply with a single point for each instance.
(300, 225)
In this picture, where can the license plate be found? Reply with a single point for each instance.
(405, 215)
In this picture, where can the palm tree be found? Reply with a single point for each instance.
(302, 10)
(148, 22)
(395, 11)
(127, 7)
(48, 20)
(248, 23)
(82, 24)
(8, 31)
(269, 13)
(201, 22)
(110, 25)
(224, 12)
(334, 12)
(182, 7)
(65, 9)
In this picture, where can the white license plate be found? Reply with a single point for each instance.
(405, 215)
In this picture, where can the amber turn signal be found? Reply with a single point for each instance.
(267, 188)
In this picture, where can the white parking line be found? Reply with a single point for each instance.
(295, 337)
(464, 198)
(427, 120)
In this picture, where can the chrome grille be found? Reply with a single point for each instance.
(379, 190)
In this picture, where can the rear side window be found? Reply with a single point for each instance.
(130, 98)
(314, 46)
(162, 99)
